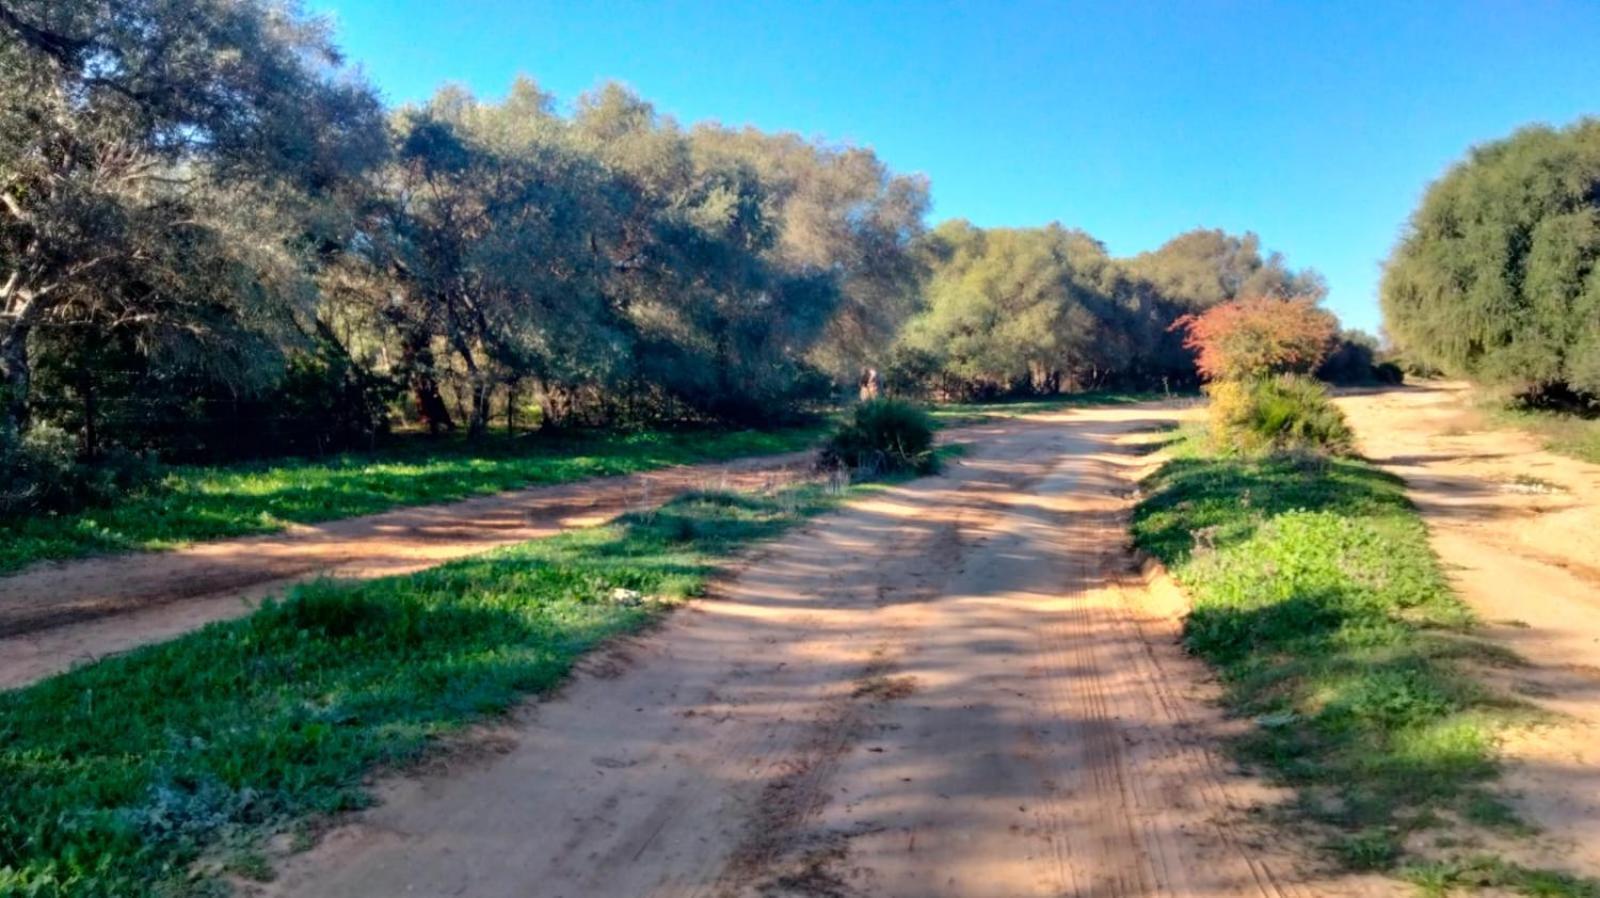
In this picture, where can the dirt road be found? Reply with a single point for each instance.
(55, 615)
(1518, 529)
(957, 688)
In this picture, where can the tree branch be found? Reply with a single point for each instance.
(61, 48)
(16, 210)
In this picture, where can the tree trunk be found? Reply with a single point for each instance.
(481, 394)
(511, 406)
(14, 378)
(418, 362)
(478, 402)
(91, 442)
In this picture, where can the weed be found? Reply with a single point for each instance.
(1530, 485)
(882, 436)
(252, 865)
(1577, 436)
(121, 775)
(963, 414)
(1277, 414)
(1317, 598)
(201, 503)
(1372, 848)
(1441, 878)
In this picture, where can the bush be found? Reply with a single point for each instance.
(883, 436)
(1258, 337)
(1353, 361)
(40, 471)
(1388, 373)
(1288, 413)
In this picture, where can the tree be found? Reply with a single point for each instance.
(721, 322)
(1254, 338)
(843, 216)
(157, 158)
(1495, 277)
(1016, 309)
(471, 247)
(1207, 267)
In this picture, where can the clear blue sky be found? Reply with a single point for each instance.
(1316, 125)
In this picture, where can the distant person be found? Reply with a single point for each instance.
(871, 384)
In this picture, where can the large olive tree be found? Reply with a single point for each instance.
(158, 164)
(1495, 277)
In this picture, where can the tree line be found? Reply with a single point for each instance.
(217, 241)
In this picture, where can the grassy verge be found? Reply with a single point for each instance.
(119, 776)
(1318, 600)
(200, 503)
(1567, 434)
(963, 414)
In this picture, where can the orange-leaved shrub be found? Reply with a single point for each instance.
(1251, 338)
(1257, 355)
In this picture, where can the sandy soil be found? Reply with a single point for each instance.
(960, 687)
(1518, 529)
(53, 616)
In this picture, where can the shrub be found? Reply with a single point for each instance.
(883, 436)
(1388, 373)
(1253, 338)
(1352, 360)
(39, 471)
(1288, 413)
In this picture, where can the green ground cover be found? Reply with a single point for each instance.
(125, 777)
(1316, 597)
(194, 503)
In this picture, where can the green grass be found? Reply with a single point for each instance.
(199, 503)
(1441, 878)
(962, 414)
(1567, 434)
(120, 776)
(1315, 595)
(196, 503)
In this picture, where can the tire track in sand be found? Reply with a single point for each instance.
(948, 690)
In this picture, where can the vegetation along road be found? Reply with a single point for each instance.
(1518, 530)
(959, 686)
(55, 615)
(486, 492)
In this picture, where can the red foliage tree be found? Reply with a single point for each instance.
(1258, 337)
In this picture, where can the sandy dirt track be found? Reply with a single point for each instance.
(1518, 530)
(55, 615)
(960, 687)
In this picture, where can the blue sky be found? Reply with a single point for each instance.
(1316, 125)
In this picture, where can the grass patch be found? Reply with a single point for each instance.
(199, 503)
(1442, 878)
(121, 775)
(1318, 600)
(1571, 435)
(964, 414)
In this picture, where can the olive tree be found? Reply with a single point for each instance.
(157, 162)
(1205, 267)
(1496, 276)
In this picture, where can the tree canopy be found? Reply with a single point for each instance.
(1205, 267)
(160, 163)
(1041, 310)
(215, 240)
(1495, 277)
